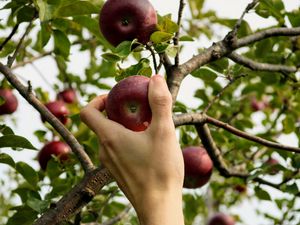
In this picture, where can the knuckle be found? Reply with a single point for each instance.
(163, 100)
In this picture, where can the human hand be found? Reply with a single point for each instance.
(148, 165)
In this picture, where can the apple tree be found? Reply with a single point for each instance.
(248, 103)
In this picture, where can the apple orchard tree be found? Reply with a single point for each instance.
(244, 72)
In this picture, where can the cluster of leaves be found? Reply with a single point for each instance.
(60, 25)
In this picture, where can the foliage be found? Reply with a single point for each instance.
(60, 26)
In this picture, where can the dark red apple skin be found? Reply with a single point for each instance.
(272, 162)
(127, 103)
(11, 102)
(126, 20)
(59, 110)
(198, 167)
(68, 96)
(221, 219)
(56, 148)
(257, 105)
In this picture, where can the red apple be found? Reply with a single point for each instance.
(55, 148)
(67, 95)
(258, 105)
(221, 219)
(127, 103)
(58, 109)
(240, 188)
(11, 102)
(125, 20)
(272, 162)
(198, 167)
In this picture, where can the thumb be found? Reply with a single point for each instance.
(160, 100)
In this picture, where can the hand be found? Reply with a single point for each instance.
(148, 165)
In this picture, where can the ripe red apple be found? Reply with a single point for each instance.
(127, 20)
(221, 219)
(198, 167)
(11, 102)
(272, 162)
(58, 109)
(56, 148)
(258, 105)
(127, 103)
(67, 95)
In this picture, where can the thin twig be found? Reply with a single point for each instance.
(176, 38)
(149, 47)
(31, 60)
(12, 33)
(11, 59)
(257, 66)
(232, 81)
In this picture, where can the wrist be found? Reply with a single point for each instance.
(161, 208)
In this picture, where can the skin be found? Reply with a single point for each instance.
(147, 165)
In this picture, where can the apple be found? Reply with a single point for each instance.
(198, 166)
(127, 103)
(10, 103)
(221, 219)
(55, 148)
(257, 105)
(67, 95)
(240, 188)
(272, 162)
(127, 20)
(59, 110)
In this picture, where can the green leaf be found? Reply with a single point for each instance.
(77, 8)
(23, 215)
(25, 14)
(15, 141)
(111, 57)
(166, 24)
(186, 38)
(28, 173)
(160, 36)
(205, 74)
(5, 130)
(61, 43)
(294, 18)
(6, 159)
(262, 194)
(45, 10)
(288, 124)
(37, 204)
(291, 188)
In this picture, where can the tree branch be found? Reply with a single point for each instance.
(176, 38)
(11, 59)
(257, 66)
(76, 198)
(12, 33)
(49, 117)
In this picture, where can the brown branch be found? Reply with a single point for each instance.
(257, 66)
(12, 33)
(221, 49)
(11, 59)
(176, 38)
(76, 198)
(49, 117)
(31, 60)
(149, 47)
(250, 137)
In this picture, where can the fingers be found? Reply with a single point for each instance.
(91, 115)
(160, 101)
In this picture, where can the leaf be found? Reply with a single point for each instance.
(6, 159)
(262, 194)
(25, 14)
(76, 9)
(186, 38)
(28, 173)
(37, 204)
(5, 130)
(15, 141)
(160, 36)
(24, 214)
(205, 74)
(45, 10)
(288, 124)
(165, 24)
(294, 18)
(291, 188)
(111, 57)
(61, 43)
